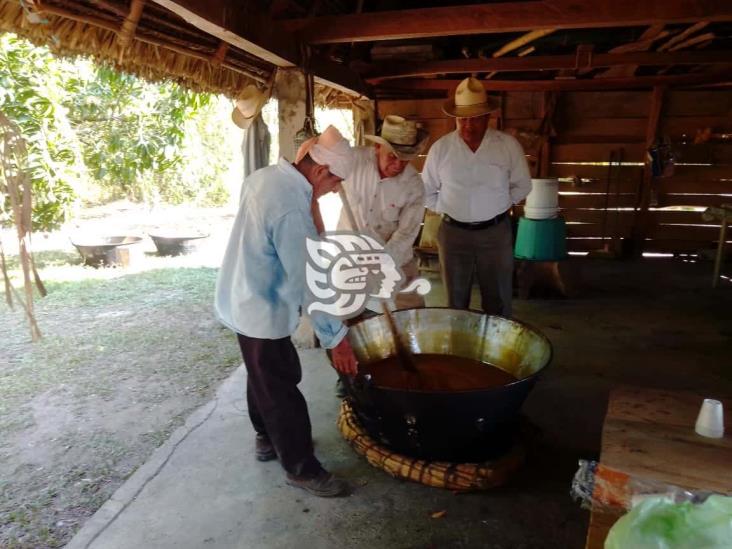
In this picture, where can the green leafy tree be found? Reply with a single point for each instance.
(32, 94)
(132, 131)
(94, 133)
(200, 179)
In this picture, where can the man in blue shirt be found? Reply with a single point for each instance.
(259, 295)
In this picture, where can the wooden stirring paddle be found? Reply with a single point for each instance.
(403, 354)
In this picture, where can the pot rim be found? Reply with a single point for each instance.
(528, 325)
(179, 237)
(135, 239)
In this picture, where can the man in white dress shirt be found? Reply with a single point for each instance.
(387, 196)
(473, 176)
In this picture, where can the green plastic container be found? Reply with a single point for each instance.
(541, 239)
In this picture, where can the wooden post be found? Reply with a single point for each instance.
(544, 159)
(127, 31)
(548, 107)
(364, 120)
(720, 252)
(289, 89)
(290, 93)
(220, 54)
(643, 217)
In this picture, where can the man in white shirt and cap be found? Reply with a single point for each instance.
(386, 195)
(473, 176)
(259, 294)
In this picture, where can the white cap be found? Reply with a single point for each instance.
(330, 149)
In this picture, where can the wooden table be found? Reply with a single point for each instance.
(722, 214)
(649, 433)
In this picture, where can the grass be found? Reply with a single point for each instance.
(125, 357)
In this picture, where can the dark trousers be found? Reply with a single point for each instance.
(487, 253)
(277, 408)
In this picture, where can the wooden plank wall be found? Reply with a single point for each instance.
(589, 126)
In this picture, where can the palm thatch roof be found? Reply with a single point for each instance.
(154, 43)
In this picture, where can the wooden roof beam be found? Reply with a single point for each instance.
(256, 34)
(683, 36)
(649, 36)
(701, 39)
(519, 42)
(522, 41)
(635, 82)
(522, 53)
(504, 17)
(544, 62)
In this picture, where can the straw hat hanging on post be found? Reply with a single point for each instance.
(248, 106)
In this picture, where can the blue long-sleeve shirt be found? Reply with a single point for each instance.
(261, 285)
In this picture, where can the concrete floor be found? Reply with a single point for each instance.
(653, 323)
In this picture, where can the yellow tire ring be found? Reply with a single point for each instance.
(460, 477)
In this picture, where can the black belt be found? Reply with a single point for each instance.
(474, 226)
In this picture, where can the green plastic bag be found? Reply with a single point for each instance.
(657, 523)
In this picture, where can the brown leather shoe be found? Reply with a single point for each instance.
(263, 449)
(324, 485)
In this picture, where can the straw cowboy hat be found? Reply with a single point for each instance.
(404, 137)
(470, 100)
(247, 107)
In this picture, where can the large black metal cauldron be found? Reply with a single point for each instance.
(181, 244)
(457, 426)
(110, 251)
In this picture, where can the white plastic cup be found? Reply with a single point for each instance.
(710, 422)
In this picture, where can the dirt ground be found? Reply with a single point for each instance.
(126, 355)
(651, 323)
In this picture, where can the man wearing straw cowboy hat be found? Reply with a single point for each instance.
(387, 196)
(259, 294)
(473, 176)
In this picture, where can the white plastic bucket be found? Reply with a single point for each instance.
(540, 213)
(543, 200)
(544, 194)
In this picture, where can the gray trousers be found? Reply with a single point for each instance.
(485, 253)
